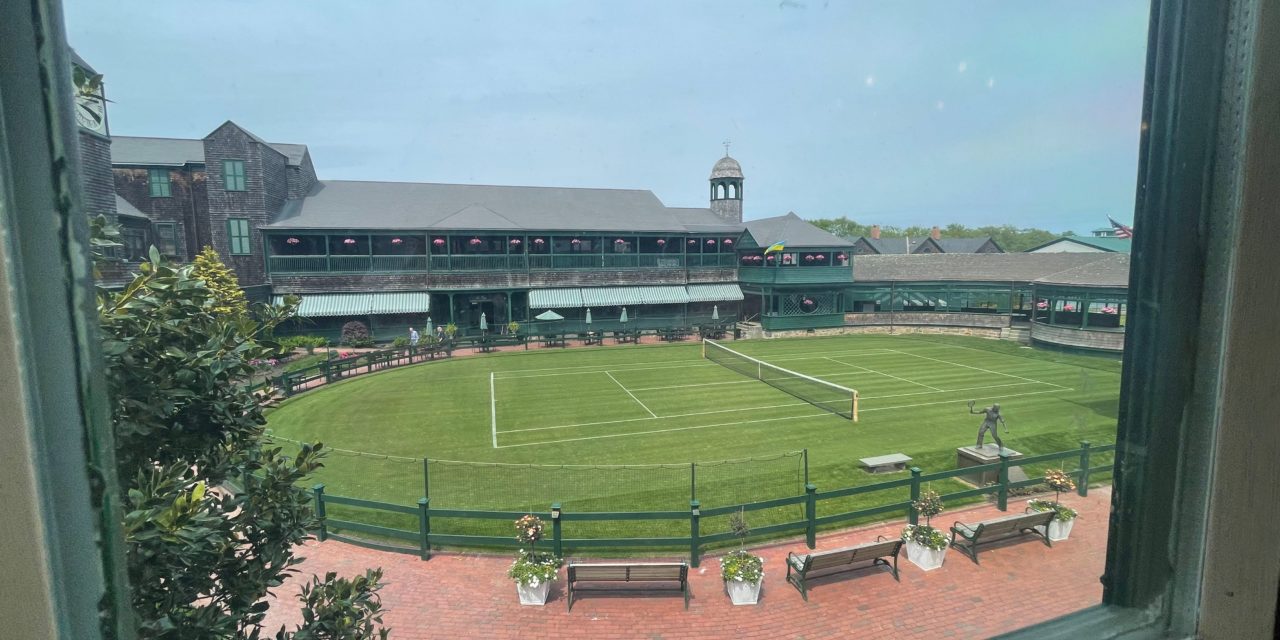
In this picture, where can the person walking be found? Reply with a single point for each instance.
(413, 337)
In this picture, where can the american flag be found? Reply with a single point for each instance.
(1122, 231)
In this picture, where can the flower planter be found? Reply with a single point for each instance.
(924, 557)
(534, 594)
(1059, 530)
(742, 592)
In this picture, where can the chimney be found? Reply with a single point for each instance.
(875, 232)
(935, 233)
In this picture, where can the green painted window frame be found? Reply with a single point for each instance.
(233, 175)
(238, 234)
(158, 183)
(165, 235)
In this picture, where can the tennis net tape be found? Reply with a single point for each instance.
(839, 400)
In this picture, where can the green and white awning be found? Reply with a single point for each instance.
(632, 296)
(319, 305)
(555, 298)
(720, 292)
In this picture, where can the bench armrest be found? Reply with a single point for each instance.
(963, 529)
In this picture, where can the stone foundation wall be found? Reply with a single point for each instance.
(981, 332)
(1095, 339)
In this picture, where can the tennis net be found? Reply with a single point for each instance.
(839, 400)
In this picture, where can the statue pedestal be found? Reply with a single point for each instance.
(977, 456)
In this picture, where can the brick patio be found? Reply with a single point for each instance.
(462, 595)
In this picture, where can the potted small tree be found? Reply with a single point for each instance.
(1064, 517)
(926, 546)
(742, 571)
(532, 571)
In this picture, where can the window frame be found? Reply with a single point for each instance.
(159, 178)
(157, 237)
(237, 236)
(236, 178)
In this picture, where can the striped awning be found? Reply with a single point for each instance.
(623, 296)
(555, 298)
(715, 292)
(318, 305)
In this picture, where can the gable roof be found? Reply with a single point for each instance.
(966, 245)
(126, 208)
(175, 152)
(343, 204)
(1078, 269)
(794, 230)
(896, 245)
(1108, 244)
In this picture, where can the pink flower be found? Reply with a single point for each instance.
(293, 241)
(808, 258)
(619, 241)
(474, 241)
(661, 242)
(711, 241)
(728, 241)
(349, 241)
(822, 256)
(575, 241)
(693, 242)
(538, 241)
(515, 241)
(808, 302)
(1111, 310)
(1067, 307)
(770, 258)
(438, 241)
(396, 241)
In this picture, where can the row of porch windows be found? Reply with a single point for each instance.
(313, 245)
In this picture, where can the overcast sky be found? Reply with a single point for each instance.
(895, 113)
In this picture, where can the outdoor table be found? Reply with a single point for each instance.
(553, 340)
(624, 335)
(593, 337)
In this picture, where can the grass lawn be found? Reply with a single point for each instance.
(607, 408)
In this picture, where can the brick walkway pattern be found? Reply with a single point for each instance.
(464, 595)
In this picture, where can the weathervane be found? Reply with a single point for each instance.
(726, 144)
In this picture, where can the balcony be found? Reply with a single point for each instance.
(346, 264)
(494, 262)
(795, 275)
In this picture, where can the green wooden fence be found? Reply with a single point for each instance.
(562, 522)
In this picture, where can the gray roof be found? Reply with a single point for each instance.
(963, 245)
(343, 204)
(726, 168)
(1080, 269)
(80, 62)
(792, 229)
(702, 220)
(900, 245)
(175, 152)
(125, 208)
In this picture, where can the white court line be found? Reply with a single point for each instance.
(493, 411)
(681, 364)
(644, 433)
(633, 396)
(773, 406)
(677, 415)
(740, 422)
(890, 375)
(1007, 375)
(700, 384)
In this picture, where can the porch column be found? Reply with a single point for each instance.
(1084, 313)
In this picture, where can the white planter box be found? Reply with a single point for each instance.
(741, 592)
(1059, 530)
(534, 595)
(924, 557)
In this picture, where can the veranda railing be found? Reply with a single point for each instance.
(562, 522)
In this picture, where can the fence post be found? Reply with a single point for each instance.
(695, 512)
(1002, 497)
(557, 538)
(811, 514)
(1082, 487)
(913, 517)
(424, 527)
(318, 493)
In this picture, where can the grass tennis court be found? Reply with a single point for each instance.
(638, 405)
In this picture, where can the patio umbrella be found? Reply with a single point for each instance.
(715, 312)
(484, 324)
(588, 316)
(549, 315)
(623, 319)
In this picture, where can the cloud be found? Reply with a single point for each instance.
(991, 82)
(962, 67)
(871, 81)
(940, 105)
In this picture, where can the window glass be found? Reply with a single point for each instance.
(233, 175)
(166, 238)
(238, 236)
(158, 181)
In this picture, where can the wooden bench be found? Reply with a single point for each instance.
(489, 343)
(623, 335)
(800, 567)
(674, 575)
(885, 464)
(553, 340)
(998, 529)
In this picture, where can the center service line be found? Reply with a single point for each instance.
(633, 396)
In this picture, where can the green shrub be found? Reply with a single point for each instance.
(400, 342)
(355, 334)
